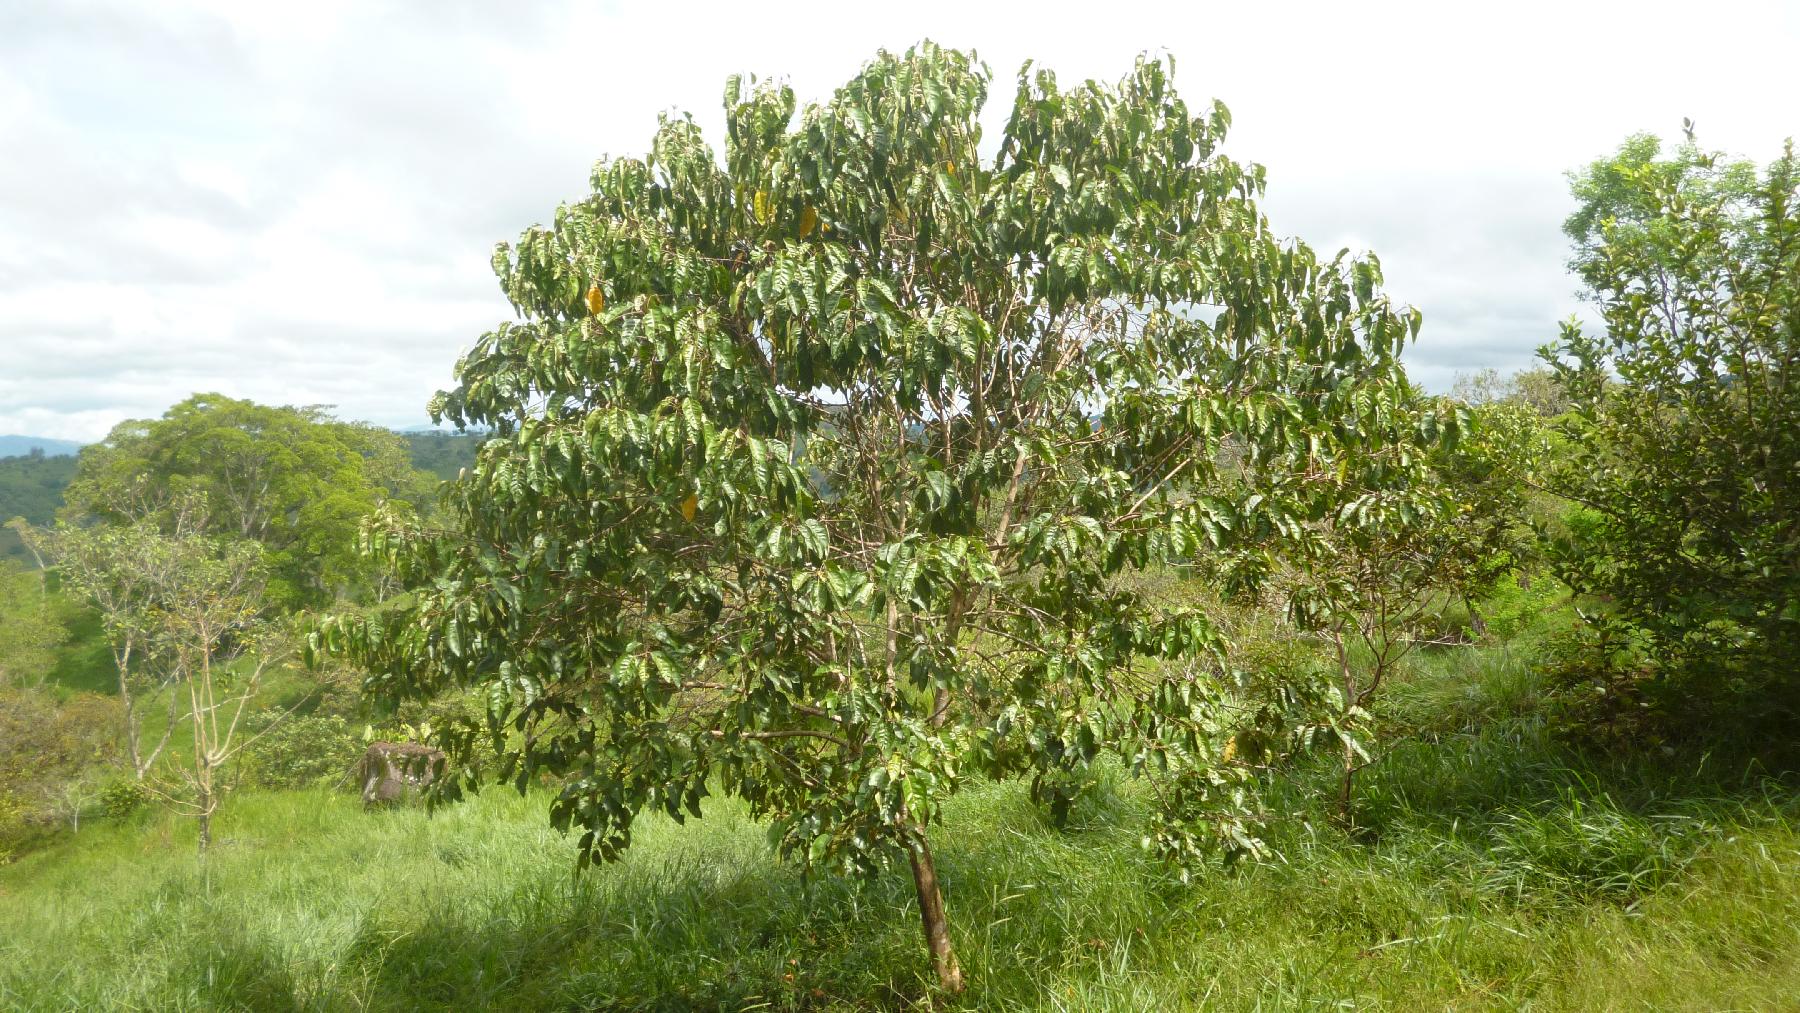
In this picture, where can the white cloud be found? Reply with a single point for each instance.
(296, 203)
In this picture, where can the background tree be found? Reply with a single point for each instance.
(1494, 474)
(50, 752)
(189, 622)
(215, 628)
(1386, 545)
(815, 466)
(1684, 441)
(1537, 389)
(295, 480)
(122, 571)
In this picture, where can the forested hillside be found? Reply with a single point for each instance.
(31, 486)
(443, 454)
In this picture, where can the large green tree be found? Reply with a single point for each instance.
(1684, 439)
(816, 464)
(295, 480)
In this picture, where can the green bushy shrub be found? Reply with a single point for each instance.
(301, 751)
(1290, 680)
(122, 797)
(1683, 437)
(14, 825)
(1517, 602)
(49, 751)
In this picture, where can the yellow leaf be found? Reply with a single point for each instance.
(808, 219)
(688, 506)
(1230, 750)
(759, 206)
(596, 299)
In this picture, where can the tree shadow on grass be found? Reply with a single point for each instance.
(704, 917)
(717, 924)
(1518, 812)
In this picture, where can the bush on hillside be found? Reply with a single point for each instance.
(300, 751)
(49, 753)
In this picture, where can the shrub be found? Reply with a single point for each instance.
(122, 797)
(43, 743)
(49, 753)
(301, 751)
(1684, 436)
(1518, 602)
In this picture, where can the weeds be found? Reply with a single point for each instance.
(1502, 867)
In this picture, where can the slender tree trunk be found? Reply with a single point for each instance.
(1476, 623)
(204, 794)
(1351, 698)
(200, 703)
(122, 657)
(940, 707)
(931, 916)
(168, 731)
(1346, 786)
(940, 701)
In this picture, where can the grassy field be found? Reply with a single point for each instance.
(1496, 868)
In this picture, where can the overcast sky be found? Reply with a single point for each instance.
(296, 203)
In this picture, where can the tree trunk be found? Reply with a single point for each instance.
(205, 799)
(1476, 623)
(931, 916)
(1352, 697)
(1346, 787)
(122, 659)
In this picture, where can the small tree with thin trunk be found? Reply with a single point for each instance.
(122, 571)
(1386, 557)
(816, 465)
(188, 620)
(212, 623)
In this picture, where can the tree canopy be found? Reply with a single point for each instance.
(817, 463)
(1685, 431)
(295, 480)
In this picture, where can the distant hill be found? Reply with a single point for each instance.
(18, 446)
(31, 486)
(442, 453)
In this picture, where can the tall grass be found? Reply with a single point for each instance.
(1500, 868)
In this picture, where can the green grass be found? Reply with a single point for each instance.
(1495, 868)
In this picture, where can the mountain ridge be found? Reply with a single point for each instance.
(20, 446)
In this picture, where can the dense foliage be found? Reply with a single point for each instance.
(1684, 438)
(52, 755)
(1027, 498)
(815, 464)
(31, 486)
(31, 626)
(295, 480)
